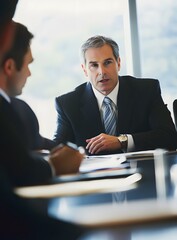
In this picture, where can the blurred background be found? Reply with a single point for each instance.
(145, 31)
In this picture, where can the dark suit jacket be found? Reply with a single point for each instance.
(21, 166)
(20, 219)
(31, 125)
(141, 113)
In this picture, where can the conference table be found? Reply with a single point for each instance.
(137, 199)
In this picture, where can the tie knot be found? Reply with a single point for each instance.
(109, 116)
(107, 100)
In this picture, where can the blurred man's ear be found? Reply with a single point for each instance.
(9, 67)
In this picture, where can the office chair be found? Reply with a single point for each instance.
(175, 111)
(31, 124)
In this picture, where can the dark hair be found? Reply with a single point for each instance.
(20, 45)
(7, 10)
(98, 41)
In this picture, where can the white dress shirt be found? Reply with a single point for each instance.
(4, 95)
(113, 96)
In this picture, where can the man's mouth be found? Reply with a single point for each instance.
(104, 80)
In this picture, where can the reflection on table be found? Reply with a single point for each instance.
(148, 210)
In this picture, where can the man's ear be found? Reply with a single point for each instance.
(118, 63)
(84, 69)
(9, 66)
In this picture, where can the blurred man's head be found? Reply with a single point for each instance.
(7, 10)
(14, 69)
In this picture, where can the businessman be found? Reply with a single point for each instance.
(18, 219)
(23, 166)
(138, 118)
(7, 30)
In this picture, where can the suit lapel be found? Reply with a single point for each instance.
(90, 112)
(125, 103)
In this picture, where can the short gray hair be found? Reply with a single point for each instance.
(99, 41)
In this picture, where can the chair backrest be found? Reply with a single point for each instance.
(175, 111)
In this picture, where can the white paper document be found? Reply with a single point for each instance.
(94, 163)
(99, 162)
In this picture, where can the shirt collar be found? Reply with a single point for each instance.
(4, 95)
(112, 95)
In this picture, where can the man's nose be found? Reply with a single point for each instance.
(29, 73)
(101, 70)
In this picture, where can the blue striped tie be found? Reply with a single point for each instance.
(109, 116)
(110, 120)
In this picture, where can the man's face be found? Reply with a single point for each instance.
(102, 68)
(17, 78)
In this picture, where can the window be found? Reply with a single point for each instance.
(157, 22)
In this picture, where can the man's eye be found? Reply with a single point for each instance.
(107, 62)
(93, 65)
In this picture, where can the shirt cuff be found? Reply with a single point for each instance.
(130, 145)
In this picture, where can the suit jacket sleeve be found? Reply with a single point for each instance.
(151, 123)
(22, 167)
(64, 130)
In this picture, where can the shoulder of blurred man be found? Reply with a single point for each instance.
(31, 123)
(15, 157)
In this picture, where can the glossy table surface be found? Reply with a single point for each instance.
(148, 210)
